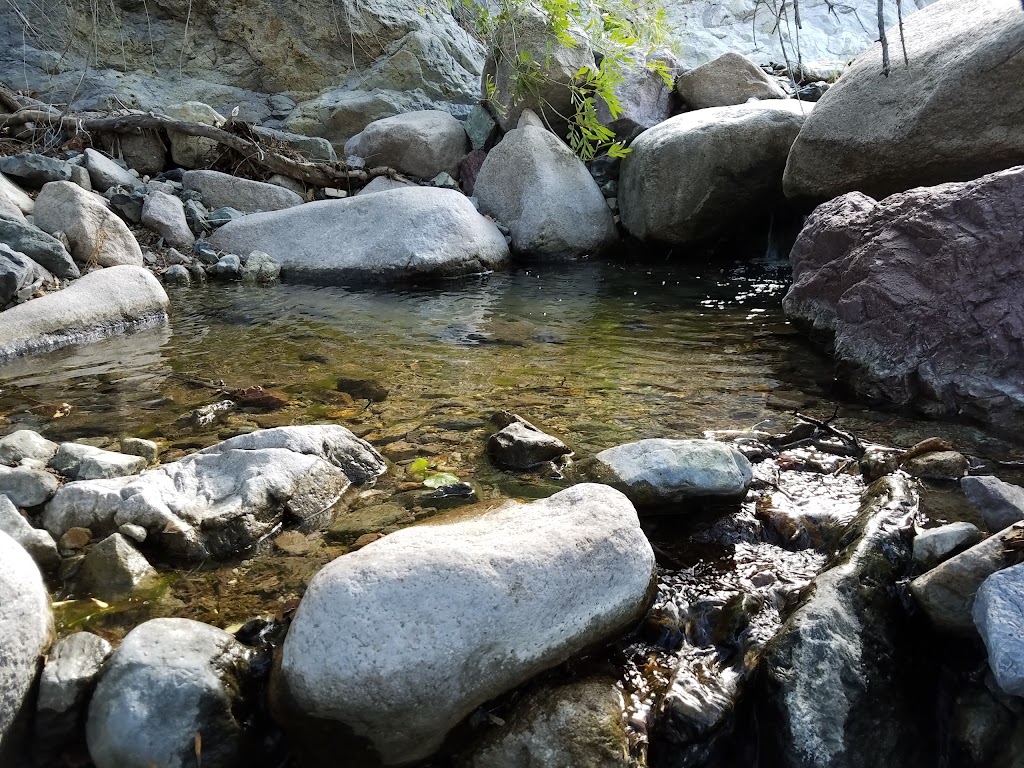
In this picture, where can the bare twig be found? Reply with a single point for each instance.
(882, 38)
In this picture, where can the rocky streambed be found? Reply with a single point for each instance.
(755, 610)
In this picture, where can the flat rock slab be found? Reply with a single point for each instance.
(471, 608)
(657, 471)
(222, 190)
(26, 629)
(103, 303)
(338, 241)
(224, 499)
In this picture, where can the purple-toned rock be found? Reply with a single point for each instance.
(921, 292)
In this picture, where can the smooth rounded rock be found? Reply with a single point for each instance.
(692, 177)
(96, 234)
(171, 682)
(471, 608)
(657, 471)
(165, 215)
(999, 503)
(26, 630)
(27, 487)
(338, 241)
(422, 144)
(26, 444)
(934, 545)
(730, 79)
(36, 541)
(948, 116)
(999, 616)
(533, 184)
(105, 173)
(222, 190)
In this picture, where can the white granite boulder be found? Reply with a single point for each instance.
(400, 640)
(357, 239)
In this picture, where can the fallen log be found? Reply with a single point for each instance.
(236, 135)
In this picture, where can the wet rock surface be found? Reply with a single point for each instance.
(935, 338)
(224, 499)
(169, 680)
(833, 688)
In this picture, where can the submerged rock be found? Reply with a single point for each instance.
(171, 686)
(335, 241)
(657, 472)
(578, 724)
(103, 303)
(26, 629)
(947, 117)
(471, 608)
(919, 292)
(835, 682)
(224, 499)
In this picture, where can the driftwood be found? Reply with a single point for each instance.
(235, 134)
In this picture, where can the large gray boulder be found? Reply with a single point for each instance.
(999, 503)
(354, 239)
(920, 292)
(220, 190)
(529, 34)
(836, 684)
(421, 144)
(645, 99)
(999, 614)
(103, 303)
(657, 471)
(47, 251)
(695, 175)
(730, 79)
(946, 593)
(165, 215)
(26, 444)
(26, 630)
(533, 184)
(472, 609)
(35, 170)
(171, 686)
(947, 116)
(224, 499)
(96, 234)
(27, 486)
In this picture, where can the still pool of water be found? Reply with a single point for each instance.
(597, 353)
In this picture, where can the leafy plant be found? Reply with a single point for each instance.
(621, 33)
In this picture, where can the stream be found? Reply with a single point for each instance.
(596, 353)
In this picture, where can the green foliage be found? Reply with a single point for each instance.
(622, 35)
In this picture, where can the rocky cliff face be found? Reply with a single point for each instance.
(234, 53)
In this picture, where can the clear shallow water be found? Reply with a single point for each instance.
(595, 353)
